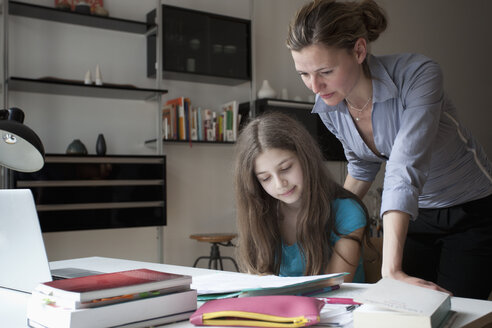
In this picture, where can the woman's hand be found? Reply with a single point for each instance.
(395, 230)
(402, 276)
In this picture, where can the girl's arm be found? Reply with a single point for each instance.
(346, 255)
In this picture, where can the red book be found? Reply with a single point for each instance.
(106, 285)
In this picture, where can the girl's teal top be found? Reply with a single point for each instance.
(349, 217)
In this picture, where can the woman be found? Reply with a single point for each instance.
(293, 219)
(437, 183)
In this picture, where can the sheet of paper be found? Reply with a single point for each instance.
(230, 282)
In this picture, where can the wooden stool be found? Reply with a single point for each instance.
(216, 239)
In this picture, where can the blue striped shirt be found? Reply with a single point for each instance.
(431, 160)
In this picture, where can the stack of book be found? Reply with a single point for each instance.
(391, 303)
(133, 298)
(182, 121)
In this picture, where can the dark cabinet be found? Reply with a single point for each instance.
(98, 192)
(201, 47)
(330, 146)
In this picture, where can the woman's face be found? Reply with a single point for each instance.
(330, 72)
(280, 174)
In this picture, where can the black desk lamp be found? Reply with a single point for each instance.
(20, 147)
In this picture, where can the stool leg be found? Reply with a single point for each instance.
(214, 255)
(221, 264)
(232, 260)
(200, 258)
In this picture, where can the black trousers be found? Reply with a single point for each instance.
(453, 248)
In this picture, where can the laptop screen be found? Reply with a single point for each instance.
(23, 259)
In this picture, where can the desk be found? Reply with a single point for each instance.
(471, 313)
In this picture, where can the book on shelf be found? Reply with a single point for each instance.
(137, 313)
(200, 125)
(181, 105)
(168, 119)
(230, 110)
(392, 303)
(193, 123)
(208, 125)
(108, 285)
(224, 285)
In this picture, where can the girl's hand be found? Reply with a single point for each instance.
(402, 276)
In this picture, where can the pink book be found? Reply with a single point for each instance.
(113, 284)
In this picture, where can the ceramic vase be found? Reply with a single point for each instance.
(76, 147)
(98, 75)
(266, 91)
(284, 95)
(101, 145)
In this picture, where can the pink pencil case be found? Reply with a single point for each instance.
(259, 311)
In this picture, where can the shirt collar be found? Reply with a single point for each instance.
(383, 87)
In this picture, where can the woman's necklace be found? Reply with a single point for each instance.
(359, 110)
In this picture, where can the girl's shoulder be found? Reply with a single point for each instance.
(349, 215)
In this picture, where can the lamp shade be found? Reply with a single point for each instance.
(20, 147)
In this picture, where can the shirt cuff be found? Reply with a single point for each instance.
(403, 200)
(363, 172)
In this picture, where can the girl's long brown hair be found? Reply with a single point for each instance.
(259, 245)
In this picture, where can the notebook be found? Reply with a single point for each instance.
(23, 260)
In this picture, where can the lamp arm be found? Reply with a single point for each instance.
(12, 114)
(4, 113)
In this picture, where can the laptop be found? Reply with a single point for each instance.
(23, 260)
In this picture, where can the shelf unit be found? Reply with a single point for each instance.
(153, 141)
(78, 88)
(69, 17)
(201, 47)
(75, 88)
(82, 90)
(56, 86)
(98, 192)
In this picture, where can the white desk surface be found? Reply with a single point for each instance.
(472, 313)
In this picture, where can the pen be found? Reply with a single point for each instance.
(322, 290)
(338, 300)
(328, 314)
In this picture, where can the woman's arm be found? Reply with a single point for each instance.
(358, 187)
(346, 255)
(395, 226)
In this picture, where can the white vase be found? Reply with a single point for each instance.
(266, 91)
(284, 94)
(98, 76)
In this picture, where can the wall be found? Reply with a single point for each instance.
(457, 35)
(199, 178)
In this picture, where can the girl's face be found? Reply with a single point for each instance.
(330, 72)
(279, 173)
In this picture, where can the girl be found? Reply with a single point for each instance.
(293, 219)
